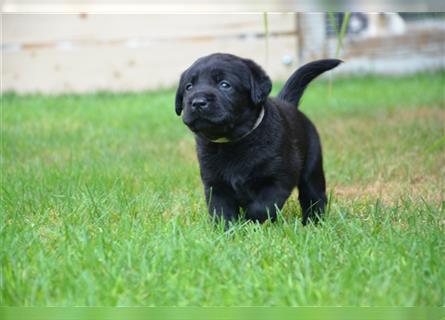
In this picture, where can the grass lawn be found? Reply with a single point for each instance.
(102, 204)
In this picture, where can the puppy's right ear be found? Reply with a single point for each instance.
(179, 96)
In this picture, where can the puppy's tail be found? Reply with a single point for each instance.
(294, 87)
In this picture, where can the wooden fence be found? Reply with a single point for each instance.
(67, 52)
(55, 53)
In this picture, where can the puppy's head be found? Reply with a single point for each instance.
(221, 92)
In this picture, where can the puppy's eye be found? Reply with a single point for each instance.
(224, 85)
(188, 86)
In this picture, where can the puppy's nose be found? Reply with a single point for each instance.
(199, 103)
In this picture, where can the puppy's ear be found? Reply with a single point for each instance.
(260, 84)
(179, 96)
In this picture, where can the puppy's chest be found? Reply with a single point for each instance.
(239, 170)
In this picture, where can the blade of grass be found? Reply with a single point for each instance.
(342, 33)
(439, 143)
(340, 36)
(266, 37)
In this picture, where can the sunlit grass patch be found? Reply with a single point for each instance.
(102, 204)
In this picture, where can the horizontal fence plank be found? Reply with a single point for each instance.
(47, 28)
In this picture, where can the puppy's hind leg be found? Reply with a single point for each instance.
(312, 196)
(312, 185)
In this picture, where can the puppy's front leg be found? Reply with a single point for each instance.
(221, 204)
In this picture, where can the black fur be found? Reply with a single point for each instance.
(221, 96)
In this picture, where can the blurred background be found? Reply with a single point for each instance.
(58, 53)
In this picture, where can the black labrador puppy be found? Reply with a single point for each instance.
(253, 150)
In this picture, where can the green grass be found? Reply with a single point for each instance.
(102, 204)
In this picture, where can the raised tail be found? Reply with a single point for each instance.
(294, 87)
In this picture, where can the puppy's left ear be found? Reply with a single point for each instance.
(179, 96)
(260, 84)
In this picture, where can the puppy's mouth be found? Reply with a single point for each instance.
(212, 129)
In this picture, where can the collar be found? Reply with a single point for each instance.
(226, 140)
